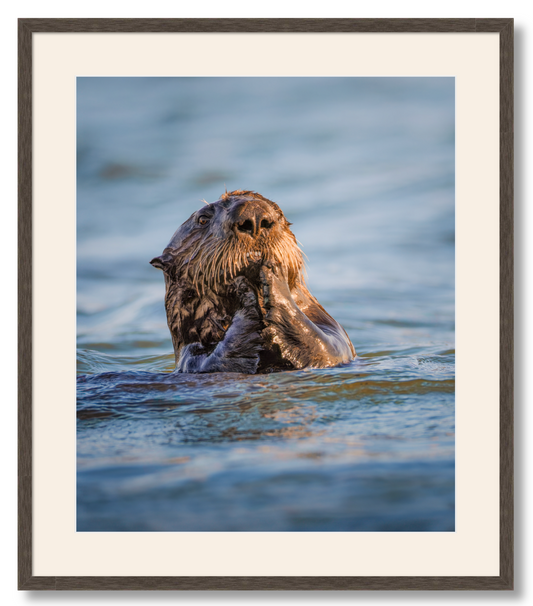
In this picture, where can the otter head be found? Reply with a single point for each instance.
(230, 237)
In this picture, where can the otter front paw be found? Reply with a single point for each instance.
(236, 353)
(247, 299)
(239, 349)
(192, 357)
(277, 298)
(282, 317)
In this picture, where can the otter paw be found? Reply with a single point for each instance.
(245, 292)
(194, 349)
(275, 289)
(191, 358)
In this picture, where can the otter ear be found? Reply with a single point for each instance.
(163, 262)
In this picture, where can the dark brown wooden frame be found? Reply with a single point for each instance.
(504, 27)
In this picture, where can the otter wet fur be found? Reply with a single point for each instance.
(236, 299)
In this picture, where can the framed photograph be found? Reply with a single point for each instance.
(248, 252)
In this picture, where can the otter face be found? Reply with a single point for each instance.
(233, 236)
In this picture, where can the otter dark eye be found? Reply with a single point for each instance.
(203, 220)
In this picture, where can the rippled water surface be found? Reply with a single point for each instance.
(364, 169)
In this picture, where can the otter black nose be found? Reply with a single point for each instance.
(253, 218)
(252, 227)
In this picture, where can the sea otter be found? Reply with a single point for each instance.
(236, 300)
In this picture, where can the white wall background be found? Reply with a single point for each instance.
(522, 12)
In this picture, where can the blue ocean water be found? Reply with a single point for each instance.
(364, 170)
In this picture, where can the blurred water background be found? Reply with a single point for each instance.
(364, 169)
